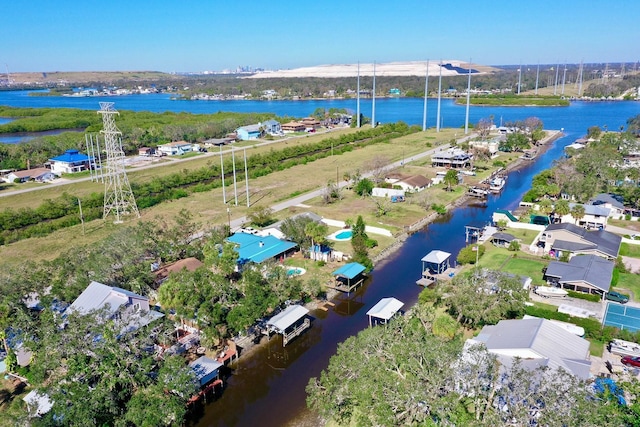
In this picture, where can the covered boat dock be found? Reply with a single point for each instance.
(290, 323)
(435, 263)
(384, 310)
(348, 277)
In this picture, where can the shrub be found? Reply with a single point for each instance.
(514, 246)
(439, 209)
(581, 295)
(371, 243)
(468, 255)
(428, 295)
(615, 277)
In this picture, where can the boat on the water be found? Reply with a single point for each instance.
(550, 291)
(624, 348)
(497, 184)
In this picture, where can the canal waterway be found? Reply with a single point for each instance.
(268, 387)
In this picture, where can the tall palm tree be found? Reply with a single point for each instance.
(577, 212)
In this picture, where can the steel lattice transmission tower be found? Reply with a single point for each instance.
(118, 197)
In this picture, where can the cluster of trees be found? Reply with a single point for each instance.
(360, 242)
(96, 372)
(414, 371)
(613, 87)
(594, 169)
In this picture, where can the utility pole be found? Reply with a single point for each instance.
(224, 191)
(358, 98)
(439, 96)
(373, 101)
(426, 93)
(466, 120)
(246, 175)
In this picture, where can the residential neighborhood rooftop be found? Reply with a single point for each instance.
(540, 340)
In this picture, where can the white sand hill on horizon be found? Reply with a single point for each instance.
(411, 68)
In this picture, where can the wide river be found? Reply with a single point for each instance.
(267, 389)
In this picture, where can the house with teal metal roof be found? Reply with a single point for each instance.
(257, 249)
(70, 162)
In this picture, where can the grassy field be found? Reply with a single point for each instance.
(510, 262)
(632, 251)
(631, 282)
(208, 208)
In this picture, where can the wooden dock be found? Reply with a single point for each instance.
(297, 331)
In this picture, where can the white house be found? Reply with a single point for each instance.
(38, 174)
(595, 216)
(175, 148)
(69, 162)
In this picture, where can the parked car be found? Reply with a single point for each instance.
(631, 361)
(617, 297)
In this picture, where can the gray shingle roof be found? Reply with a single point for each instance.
(606, 242)
(590, 269)
(503, 236)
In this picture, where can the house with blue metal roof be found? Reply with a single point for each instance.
(70, 162)
(257, 249)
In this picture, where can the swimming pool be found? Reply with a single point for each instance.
(295, 271)
(341, 235)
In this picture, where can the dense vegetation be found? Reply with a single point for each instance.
(116, 380)
(414, 371)
(518, 100)
(597, 168)
(139, 129)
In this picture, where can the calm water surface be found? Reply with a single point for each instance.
(267, 389)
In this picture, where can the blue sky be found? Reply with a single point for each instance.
(198, 35)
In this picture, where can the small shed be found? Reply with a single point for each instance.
(290, 323)
(348, 277)
(384, 310)
(206, 369)
(436, 262)
(502, 240)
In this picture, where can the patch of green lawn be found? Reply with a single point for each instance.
(630, 281)
(545, 306)
(596, 348)
(526, 267)
(629, 250)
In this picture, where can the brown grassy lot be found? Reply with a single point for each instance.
(208, 208)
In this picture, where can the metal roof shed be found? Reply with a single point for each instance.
(346, 274)
(290, 323)
(385, 309)
(206, 369)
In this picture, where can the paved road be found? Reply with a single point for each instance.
(213, 153)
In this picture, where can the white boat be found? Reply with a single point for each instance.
(624, 348)
(550, 291)
(497, 184)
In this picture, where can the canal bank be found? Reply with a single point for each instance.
(267, 387)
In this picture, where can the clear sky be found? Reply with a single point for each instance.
(199, 35)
